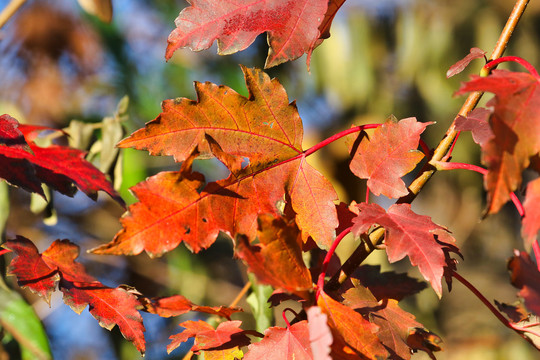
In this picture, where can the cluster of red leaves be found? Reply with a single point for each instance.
(270, 239)
(508, 131)
(275, 205)
(266, 129)
(24, 164)
(56, 268)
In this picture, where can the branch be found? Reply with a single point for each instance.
(9, 10)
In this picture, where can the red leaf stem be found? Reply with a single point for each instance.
(454, 165)
(490, 65)
(449, 153)
(367, 194)
(339, 135)
(531, 325)
(285, 317)
(4, 251)
(536, 250)
(519, 329)
(425, 148)
(326, 261)
(318, 146)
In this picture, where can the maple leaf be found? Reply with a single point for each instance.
(515, 123)
(350, 326)
(320, 335)
(388, 284)
(526, 277)
(277, 259)
(409, 234)
(477, 122)
(279, 295)
(178, 305)
(516, 313)
(282, 343)
(292, 26)
(458, 67)
(395, 324)
(264, 127)
(531, 220)
(324, 28)
(227, 335)
(390, 153)
(346, 214)
(176, 206)
(25, 164)
(31, 271)
(11, 134)
(56, 266)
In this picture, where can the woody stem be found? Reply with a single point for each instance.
(10, 10)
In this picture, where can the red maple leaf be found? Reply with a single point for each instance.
(292, 26)
(515, 312)
(277, 259)
(282, 343)
(348, 325)
(388, 284)
(387, 155)
(30, 268)
(176, 206)
(475, 53)
(531, 220)
(395, 324)
(178, 305)
(11, 134)
(526, 277)
(477, 123)
(27, 165)
(41, 273)
(409, 234)
(227, 335)
(279, 295)
(515, 123)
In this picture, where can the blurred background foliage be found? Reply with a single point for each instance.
(59, 64)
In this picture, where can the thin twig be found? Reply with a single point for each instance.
(521, 330)
(9, 10)
(240, 294)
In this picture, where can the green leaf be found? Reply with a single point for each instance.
(258, 301)
(80, 134)
(19, 319)
(111, 133)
